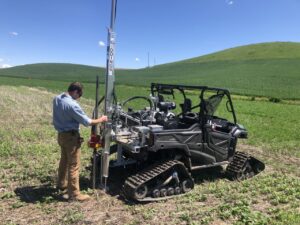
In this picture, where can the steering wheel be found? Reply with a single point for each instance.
(140, 114)
(149, 100)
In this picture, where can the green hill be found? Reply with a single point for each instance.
(267, 69)
(54, 71)
(275, 50)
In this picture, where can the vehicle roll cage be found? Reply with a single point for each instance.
(168, 89)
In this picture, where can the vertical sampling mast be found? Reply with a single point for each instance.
(94, 136)
(109, 96)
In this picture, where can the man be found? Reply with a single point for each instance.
(67, 115)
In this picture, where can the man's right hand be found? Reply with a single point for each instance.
(103, 119)
(99, 120)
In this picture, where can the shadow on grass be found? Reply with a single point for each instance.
(117, 178)
(45, 193)
(209, 174)
(38, 194)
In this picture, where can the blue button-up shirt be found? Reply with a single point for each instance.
(67, 114)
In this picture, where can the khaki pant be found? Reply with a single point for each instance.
(68, 171)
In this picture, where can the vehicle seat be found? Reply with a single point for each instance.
(186, 106)
(161, 98)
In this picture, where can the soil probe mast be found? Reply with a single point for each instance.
(104, 139)
(109, 95)
(100, 175)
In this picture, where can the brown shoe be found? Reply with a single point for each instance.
(65, 196)
(80, 198)
(62, 190)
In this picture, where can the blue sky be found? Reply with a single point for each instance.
(74, 31)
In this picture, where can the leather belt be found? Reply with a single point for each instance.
(73, 132)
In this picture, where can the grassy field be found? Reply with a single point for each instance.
(275, 124)
(268, 69)
(29, 160)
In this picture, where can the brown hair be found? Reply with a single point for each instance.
(75, 86)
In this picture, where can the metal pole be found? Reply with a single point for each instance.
(109, 93)
(94, 132)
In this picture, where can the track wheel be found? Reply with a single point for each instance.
(141, 192)
(187, 185)
(177, 190)
(170, 191)
(156, 193)
(163, 192)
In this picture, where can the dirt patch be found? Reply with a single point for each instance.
(262, 206)
(106, 210)
(219, 222)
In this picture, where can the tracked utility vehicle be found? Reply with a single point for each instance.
(167, 140)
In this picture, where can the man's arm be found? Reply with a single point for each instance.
(81, 117)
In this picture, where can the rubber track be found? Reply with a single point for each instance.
(133, 182)
(236, 166)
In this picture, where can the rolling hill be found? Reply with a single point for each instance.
(266, 69)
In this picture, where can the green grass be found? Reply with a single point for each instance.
(268, 69)
(60, 86)
(270, 125)
(29, 158)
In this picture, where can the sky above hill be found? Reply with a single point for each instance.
(75, 31)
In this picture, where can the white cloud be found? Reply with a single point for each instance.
(5, 66)
(229, 2)
(13, 33)
(101, 44)
(137, 59)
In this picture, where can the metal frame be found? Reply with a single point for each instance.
(156, 87)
